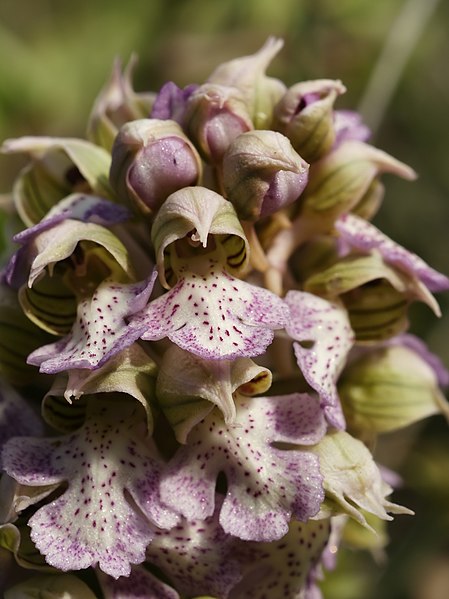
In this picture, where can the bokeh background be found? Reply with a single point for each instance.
(392, 55)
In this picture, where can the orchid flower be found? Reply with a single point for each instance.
(197, 334)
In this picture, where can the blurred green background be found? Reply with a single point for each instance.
(55, 56)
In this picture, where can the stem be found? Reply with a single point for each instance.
(403, 37)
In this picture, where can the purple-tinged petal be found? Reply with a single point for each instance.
(266, 486)
(16, 416)
(92, 522)
(77, 206)
(313, 319)
(100, 330)
(213, 315)
(197, 556)
(140, 584)
(170, 102)
(116, 104)
(349, 125)
(284, 569)
(364, 236)
(57, 243)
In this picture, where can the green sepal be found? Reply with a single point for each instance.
(60, 243)
(377, 311)
(371, 201)
(352, 480)
(351, 272)
(189, 387)
(339, 181)
(311, 130)
(18, 338)
(50, 304)
(388, 389)
(16, 539)
(206, 213)
(59, 167)
(117, 104)
(130, 372)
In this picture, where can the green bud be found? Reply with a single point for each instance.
(352, 480)
(305, 115)
(247, 74)
(262, 173)
(151, 159)
(340, 180)
(389, 388)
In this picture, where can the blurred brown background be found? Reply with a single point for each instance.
(56, 55)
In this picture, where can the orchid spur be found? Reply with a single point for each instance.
(206, 370)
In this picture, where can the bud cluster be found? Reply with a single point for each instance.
(216, 334)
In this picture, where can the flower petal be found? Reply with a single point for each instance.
(266, 486)
(316, 320)
(77, 206)
(16, 416)
(100, 330)
(364, 236)
(214, 316)
(283, 569)
(140, 584)
(92, 521)
(197, 556)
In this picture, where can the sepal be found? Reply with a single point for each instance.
(189, 387)
(59, 167)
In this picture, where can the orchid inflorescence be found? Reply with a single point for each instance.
(217, 336)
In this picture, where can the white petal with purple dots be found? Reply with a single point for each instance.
(282, 570)
(325, 325)
(213, 315)
(109, 470)
(100, 330)
(198, 556)
(266, 485)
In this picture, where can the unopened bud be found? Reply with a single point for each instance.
(262, 173)
(340, 180)
(247, 73)
(151, 159)
(305, 115)
(117, 104)
(215, 116)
